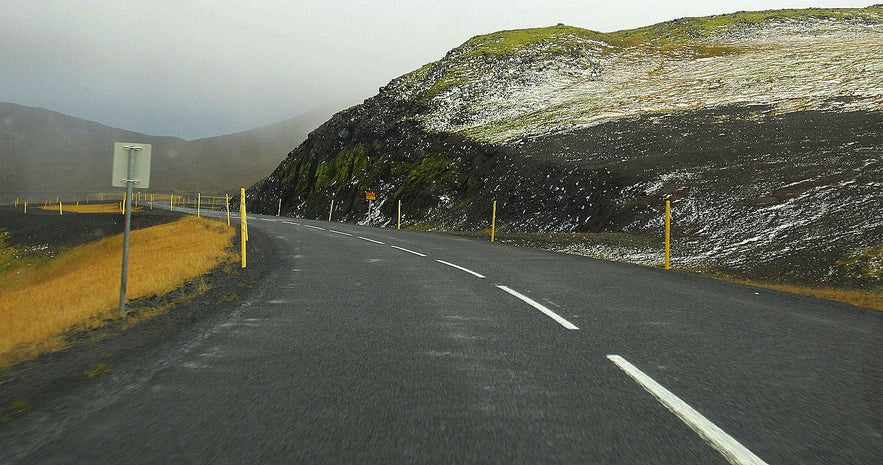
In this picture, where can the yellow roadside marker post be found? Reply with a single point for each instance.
(493, 221)
(243, 224)
(399, 221)
(331, 210)
(667, 263)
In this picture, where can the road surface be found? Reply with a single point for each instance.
(378, 346)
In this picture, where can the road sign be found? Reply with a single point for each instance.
(131, 168)
(141, 168)
(370, 196)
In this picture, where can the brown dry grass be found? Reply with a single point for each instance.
(89, 208)
(871, 298)
(867, 299)
(80, 287)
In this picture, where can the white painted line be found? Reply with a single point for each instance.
(339, 232)
(731, 449)
(477, 275)
(541, 307)
(314, 227)
(409, 251)
(370, 240)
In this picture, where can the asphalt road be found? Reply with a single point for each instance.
(379, 346)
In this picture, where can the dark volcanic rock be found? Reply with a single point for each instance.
(764, 130)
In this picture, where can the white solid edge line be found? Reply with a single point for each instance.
(409, 251)
(370, 240)
(314, 227)
(732, 450)
(540, 307)
(339, 232)
(477, 275)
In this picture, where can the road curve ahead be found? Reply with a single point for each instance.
(378, 346)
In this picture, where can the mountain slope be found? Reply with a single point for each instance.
(764, 128)
(48, 152)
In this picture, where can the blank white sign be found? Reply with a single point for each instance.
(141, 173)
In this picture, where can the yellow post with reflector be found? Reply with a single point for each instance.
(667, 263)
(493, 221)
(243, 224)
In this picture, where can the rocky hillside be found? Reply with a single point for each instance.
(44, 152)
(765, 129)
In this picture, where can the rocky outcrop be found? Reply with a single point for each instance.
(765, 129)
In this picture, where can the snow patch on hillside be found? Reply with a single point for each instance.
(792, 66)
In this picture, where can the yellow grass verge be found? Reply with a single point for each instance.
(89, 208)
(40, 302)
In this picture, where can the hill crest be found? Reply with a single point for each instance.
(513, 84)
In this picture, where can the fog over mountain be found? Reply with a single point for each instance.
(45, 153)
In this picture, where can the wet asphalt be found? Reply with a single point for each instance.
(363, 347)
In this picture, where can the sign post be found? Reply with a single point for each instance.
(370, 196)
(128, 171)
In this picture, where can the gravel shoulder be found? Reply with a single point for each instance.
(26, 385)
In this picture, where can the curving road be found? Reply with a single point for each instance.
(380, 346)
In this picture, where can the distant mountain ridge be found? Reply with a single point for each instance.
(764, 128)
(43, 151)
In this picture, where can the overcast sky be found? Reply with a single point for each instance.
(192, 68)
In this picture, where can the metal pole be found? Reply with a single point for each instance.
(128, 227)
(227, 199)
